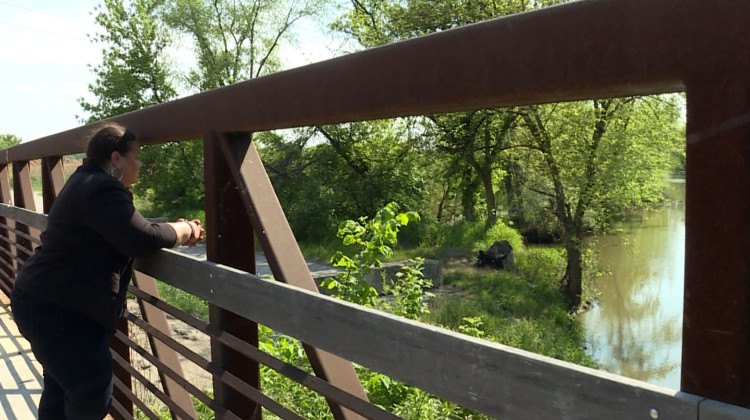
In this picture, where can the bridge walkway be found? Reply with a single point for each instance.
(20, 373)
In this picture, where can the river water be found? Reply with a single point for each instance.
(635, 329)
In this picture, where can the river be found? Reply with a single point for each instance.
(635, 328)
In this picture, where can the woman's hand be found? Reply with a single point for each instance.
(196, 234)
(189, 232)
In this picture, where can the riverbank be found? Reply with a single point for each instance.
(522, 308)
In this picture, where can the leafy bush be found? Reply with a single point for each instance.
(370, 241)
(408, 291)
(472, 235)
(171, 177)
(500, 232)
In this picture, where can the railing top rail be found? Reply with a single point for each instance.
(578, 50)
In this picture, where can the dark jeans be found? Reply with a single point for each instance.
(74, 354)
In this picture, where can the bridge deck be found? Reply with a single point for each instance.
(20, 373)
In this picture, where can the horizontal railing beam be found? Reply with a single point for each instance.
(579, 50)
(26, 217)
(715, 410)
(496, 380)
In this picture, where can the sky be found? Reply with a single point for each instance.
(45, 54)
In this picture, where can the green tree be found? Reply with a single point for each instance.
(171, 177)
(299, 171)
(579, 161)
(378, 22)
(9, 140)
(325, 175)
(236, 40)
(233, 41)
(133, 73)
(477, 137)
(596, 158)
(379, 163)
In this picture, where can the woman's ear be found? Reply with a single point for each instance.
(115, 158)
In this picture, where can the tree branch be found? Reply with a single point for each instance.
(544, 193)
(359, 6)
(285, 27)
(340, 150)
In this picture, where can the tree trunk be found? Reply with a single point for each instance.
(468, 201)
(439, 215)
(574, 275)
(489, 195)
(513, 186)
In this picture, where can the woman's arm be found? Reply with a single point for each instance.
(113, 216)
(189, 232)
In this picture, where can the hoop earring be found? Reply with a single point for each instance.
(112, 173)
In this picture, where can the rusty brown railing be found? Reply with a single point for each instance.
(586, 49)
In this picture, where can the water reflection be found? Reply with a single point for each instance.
(636, 328)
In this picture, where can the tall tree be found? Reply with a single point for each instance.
(236, 40)
(477, 137)
(595, 158)
(340, 172)
(581, 152)
(232, 41)
(378, 22)
(378, 163)
(133, 73)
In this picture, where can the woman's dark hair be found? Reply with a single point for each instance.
(107, 139)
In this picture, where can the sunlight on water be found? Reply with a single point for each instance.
(635, 329)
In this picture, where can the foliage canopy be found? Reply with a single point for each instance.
(9, 140)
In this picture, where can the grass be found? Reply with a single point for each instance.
(182, 300)
(522, 309)
(147, 210)
(36, 182)
(461, 239)
(321, 251)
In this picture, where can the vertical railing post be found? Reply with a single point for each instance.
(119, 372)
(230, 240)
(716, 326)
(7, 267)
(53, 179)
(23, 196)
(277, 239)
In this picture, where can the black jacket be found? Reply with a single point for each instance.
(93, 233)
